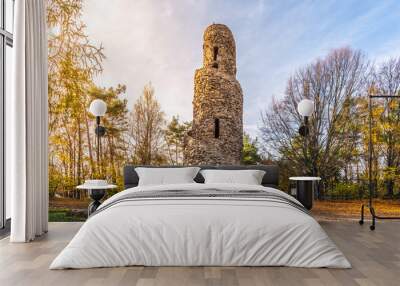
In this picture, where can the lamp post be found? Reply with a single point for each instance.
(98, 108)
(305, 185)
(97, 188)
(305, 109)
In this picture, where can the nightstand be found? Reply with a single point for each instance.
(96, 193)
(304, 191)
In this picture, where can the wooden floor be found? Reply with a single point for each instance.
(375, 257)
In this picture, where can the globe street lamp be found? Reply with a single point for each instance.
(98, 108)
(305, 109)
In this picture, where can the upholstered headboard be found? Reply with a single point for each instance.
(270, 179)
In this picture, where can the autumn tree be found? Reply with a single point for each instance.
(73, 62)
(386, 80)
(174, 139)
(147, 129)
(114, 145)
(250, 153)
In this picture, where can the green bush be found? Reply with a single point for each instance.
(345, 191)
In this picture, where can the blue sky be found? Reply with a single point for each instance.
(161, 41)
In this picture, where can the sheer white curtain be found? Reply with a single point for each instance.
(27, 122)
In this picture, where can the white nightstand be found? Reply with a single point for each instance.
(96, 193)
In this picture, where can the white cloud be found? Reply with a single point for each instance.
(145, 42)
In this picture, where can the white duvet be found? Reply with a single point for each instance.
(199, 231)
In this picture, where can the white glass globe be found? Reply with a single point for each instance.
(305, 107)
(98, 107)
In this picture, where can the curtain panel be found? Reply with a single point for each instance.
(27, 147)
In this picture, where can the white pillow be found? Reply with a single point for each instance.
(248, 177)
(166, 176)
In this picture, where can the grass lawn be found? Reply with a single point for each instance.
(65, 215)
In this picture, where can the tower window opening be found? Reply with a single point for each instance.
(215, 57)
(216, 128)
(215, 53)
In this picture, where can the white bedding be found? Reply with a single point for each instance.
(200, 231)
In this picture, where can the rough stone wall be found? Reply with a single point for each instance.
(217, 95)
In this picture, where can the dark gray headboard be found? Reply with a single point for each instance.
(270, 179)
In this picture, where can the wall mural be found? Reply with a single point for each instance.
(139, 130)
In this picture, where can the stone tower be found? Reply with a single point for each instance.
(217, 133)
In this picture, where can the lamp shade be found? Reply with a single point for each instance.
(305, 107)
(98, 107)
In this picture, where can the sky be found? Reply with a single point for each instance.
(160, 41)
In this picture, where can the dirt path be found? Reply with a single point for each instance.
(351, 209)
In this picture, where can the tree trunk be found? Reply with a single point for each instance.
(89, 142)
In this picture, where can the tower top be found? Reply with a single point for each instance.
(219, 49)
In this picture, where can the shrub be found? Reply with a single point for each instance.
(345, 191)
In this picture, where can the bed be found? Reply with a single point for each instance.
(198, 224)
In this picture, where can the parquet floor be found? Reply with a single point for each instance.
(375, 257)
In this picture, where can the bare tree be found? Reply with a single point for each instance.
(333, 84)
(147, 129)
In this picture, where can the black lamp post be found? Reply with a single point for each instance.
(305, 185)
(98, 108)
(305, 109)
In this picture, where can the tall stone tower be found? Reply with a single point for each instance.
(217, 133)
